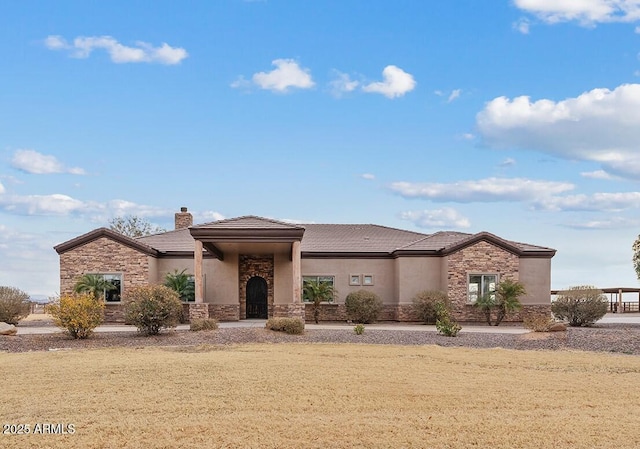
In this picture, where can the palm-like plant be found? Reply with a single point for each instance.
(181, 283)
(505, 299)
(317, 291)
(93, 284)
(508, 293)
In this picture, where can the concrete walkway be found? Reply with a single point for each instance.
(627, 318)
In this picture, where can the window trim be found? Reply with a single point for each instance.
(317, 276)
(482, 283)
(364, 280)
(104, 292)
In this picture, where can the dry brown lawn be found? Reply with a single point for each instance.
(322, 396)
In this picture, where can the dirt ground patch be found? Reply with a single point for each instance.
(322, 395)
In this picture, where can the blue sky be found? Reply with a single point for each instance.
(521, 118)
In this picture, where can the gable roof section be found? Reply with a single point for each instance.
(106, 233)
(444, 243)
(248, 228)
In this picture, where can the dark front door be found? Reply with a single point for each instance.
(257, 292)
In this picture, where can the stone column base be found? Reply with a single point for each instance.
(294, 310)
(198, 311)
(225, 312)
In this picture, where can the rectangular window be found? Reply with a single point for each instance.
(330, 280)
(190, 292)
(480, 285)
(354, 279)
(367, 279)
(113, 291)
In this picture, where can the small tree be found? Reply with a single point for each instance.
(14, 305)
(133, 226)
(78, 314)
(426, 302)
(504, 300)
(363, 306)
(636, 256)
(317, 291)
(152, 307)
(181, 283)
(582, 305)
(93, 284)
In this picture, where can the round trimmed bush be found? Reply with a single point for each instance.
(363, 306)
(14, 305)
(425, 304)
(152, 307)
(580, 306)
(79, 314)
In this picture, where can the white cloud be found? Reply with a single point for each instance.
(31, 161)
(508, 162)
(342, 83)
(604, 202)
(522, 26)
(2, 189)
(437, 218)
(455, 94)
(601, 125)
(396, 82)
(287, 74)
(468, 136)
(585, 12)
(482, 190)
(368, 176)
(207, 216)
(597, 174)
(82, 47)
(608, 223)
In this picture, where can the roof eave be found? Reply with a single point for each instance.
(106, 233)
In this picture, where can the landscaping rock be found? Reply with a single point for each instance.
(558, 327)
(7, 329)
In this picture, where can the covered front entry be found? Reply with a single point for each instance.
(257, 294)
(260, 256)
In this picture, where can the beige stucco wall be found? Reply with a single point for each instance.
(282, 279)
(383, 272)
(416, 274)
(535, 274)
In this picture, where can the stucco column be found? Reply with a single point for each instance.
(296, 271)
(197, 271)
(620, 301)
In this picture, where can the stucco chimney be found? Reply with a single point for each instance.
(183, 219)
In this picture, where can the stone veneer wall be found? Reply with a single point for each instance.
(250, 266)
(294, 310)
(480, 258)
(104, 255)
(224, 312)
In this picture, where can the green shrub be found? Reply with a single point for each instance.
(363, 306)
(359, 329)
(424, 304)
(287, 325)
(152, 307)
(444, 324)
(14, 305)
(580, 306)
(538, 322)
(504, 300)
(204, 324)
(79, 314)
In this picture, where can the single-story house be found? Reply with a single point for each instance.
(254, 267)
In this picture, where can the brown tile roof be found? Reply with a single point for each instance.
(355, 238)
(322, 238)
(248, 222)
(179, 240)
